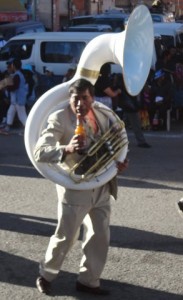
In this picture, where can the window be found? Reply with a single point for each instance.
(179, 39)
(156, 19)
(81, 20)
(19, 48)
(61, 52)
(168, 40)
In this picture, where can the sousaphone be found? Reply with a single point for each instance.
(133, 50)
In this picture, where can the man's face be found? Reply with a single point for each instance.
(10, 68)
(81, 102)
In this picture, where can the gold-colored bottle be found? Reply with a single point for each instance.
(80, 130)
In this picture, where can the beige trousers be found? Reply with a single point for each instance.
(92, 208)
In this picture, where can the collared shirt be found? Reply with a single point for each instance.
(91, 121)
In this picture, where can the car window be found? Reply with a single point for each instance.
(61, 52)
(81, 21)
(20, 48)
(84, 29)
(179, 38)
(117, 23)
(27, 30)
(90, 28)
(159, 46)
(39, 29)
(156, 18)
(168, 40)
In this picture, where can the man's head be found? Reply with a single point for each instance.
(14, 64)
(81, 96)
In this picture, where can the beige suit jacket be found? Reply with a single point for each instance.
(58, 133)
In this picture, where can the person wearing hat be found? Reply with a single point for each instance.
(18, 94)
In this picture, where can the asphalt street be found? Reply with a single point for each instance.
(145, 260)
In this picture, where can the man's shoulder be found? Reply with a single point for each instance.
(102, 109)
(59, 113)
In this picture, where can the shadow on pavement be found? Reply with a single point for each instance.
(121, 237)
(16, 270)
(133, 183)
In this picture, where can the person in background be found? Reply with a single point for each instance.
(49, 80)
(69, 75)
(18, 95)
(145, 107)
(30, 81)
(2, 41)
(116, 79)
(162, 94)
(4, 100)
(103, 87)
(45, 82)
(130, 105)
(59, 143)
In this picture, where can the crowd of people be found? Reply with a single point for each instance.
(162, 92)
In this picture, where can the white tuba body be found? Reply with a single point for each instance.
(133, 50)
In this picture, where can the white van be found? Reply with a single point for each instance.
(58, 51)
(171, 33)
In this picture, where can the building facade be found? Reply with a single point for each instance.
(12, 11)
(55, 14)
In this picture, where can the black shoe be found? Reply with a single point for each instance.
(180, 206)
(95, 291)
(144, 145)
(43, 285)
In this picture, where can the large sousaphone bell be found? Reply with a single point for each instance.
(133, 50)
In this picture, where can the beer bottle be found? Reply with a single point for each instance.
(80, 130)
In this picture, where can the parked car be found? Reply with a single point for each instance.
(170, 32)
(90, 28)
(12, 29)
(56, 50)
(157, 18)
(82, 20)
(115, 19)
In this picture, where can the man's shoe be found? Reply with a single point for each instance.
(43, 285)
(95, 290)
(144, 145)
(180, 206)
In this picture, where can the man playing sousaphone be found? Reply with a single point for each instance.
(59, 143)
